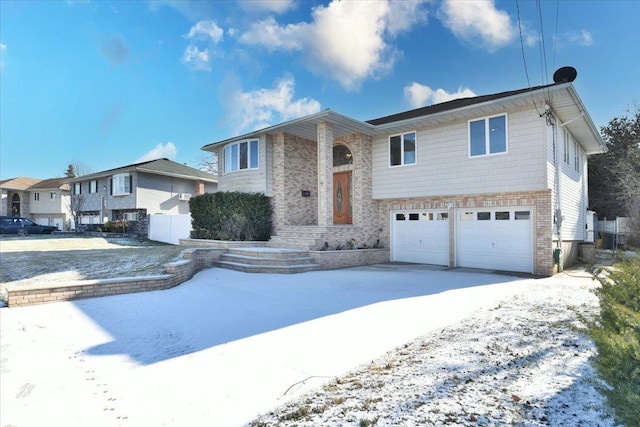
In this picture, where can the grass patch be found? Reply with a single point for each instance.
(616, 332)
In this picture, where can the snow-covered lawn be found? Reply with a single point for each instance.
(46, 259)
(379, 345)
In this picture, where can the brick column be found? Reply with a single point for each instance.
(325, 174)
(279, 203)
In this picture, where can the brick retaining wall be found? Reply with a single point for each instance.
(177, 272)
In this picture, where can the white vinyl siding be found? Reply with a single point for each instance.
(446, 168)
(574, 203)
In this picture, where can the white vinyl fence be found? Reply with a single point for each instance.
(169, 228)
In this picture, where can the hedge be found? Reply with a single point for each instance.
(231, 216)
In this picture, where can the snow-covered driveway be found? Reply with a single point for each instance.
(223, 347)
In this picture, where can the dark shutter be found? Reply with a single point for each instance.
(111, 186)
(130, 183)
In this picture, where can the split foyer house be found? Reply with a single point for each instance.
(45, 202)
(496, 181)
(134, 191)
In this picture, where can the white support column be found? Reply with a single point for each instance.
(325, 174)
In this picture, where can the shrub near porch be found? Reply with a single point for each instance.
(231, 216)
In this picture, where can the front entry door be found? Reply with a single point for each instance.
(342, 206)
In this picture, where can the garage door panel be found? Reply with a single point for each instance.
(496, 239)
(420, 237)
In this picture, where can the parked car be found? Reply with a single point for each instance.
(18, 225)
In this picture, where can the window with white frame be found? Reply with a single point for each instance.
(241, 155)
(36, 197)
(402, 149)
(93, 186)
(121, 184)
(488, 136)
(566, 155)
(77, 188)
(53, 195)
(576, 156)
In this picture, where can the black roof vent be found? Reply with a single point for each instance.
(565, 75)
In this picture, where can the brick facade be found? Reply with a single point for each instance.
(539, 201)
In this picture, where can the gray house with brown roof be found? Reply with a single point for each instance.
(134, 191)
(495, 182)
(44, 201)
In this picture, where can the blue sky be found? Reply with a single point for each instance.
(105, 84)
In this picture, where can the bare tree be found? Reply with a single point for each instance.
(77, 168)
(76, 205)
(209, 162)
(76, 200)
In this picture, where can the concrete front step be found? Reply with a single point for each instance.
(267, 260)
(278, 261)
(275, 269)
(268, 252)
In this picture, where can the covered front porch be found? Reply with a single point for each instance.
(321, 184)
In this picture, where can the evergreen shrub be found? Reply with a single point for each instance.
(231, 216)
(616, 332)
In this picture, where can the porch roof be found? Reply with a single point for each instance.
(306, 127)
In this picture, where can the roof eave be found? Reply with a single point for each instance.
(583, 116)
(177, 175)
(324, 115)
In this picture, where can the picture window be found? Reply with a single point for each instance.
(241, 155)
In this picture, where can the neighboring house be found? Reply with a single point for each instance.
(134, 191)
(496, 181)
(45, 202)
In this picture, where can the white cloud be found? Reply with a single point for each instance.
(160, 151)
(275, 6)
(478, 22)
(271, 35)
(206, 30)
(582, 38)
(348, 41)
(419, 95)
(261, 108)
(196, 59)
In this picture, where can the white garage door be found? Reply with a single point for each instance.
(497, 239)
(420, 237)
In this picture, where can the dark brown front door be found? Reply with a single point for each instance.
(342, 198)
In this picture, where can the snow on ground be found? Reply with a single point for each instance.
(523, 362)
(402, 345)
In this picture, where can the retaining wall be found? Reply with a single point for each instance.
(176, 273)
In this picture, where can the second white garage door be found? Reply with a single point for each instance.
(497, 239)
(420, 237)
